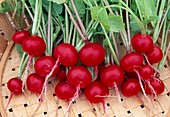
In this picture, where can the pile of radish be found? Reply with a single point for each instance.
(83, 65)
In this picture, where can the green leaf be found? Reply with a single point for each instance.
(168, 15)
(79, 6)
(102, 17)
(56, 9)
(4, 7)
(94, 12)
(58, 1)
(91, 2)
(19, 49)
(134, 25)
(116, 23)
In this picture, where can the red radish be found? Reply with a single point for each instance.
(35, 83)
(65, 91)
(43, 66)
(15, 86)
(131, 61)
(157, 85)
(142, 42)
(112, 74)
(34, 45)
(79, 76)
(95, 90)
(18, 37)
(92, 54)
(61, 75)
(130, 87)
(146, 72)
(66, 53)
(155, 55)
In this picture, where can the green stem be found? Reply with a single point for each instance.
(67, 26)
(160, 26)
(140, 15)
(35, 20)
(110, 46)
(28, 10)
(22, 65)
(156, 28)
(74, 37)
(70, 34)
(49, 30)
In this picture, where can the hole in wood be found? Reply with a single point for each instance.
(121, 43)
(59, 107)
(128, 112)
(10, 110)
(108, 104)
(121, 99)
(6, 97)
(168, 94)
(25, 105)
(49, 82)
(3, 84)
(94, 109)
(45, 113)
(13, 69)
(2, 33)
(114, 116)
(163, 112)
(74, 102)
(79, 115)
(10, 58)
(54, 95)
(142, 106)
(165, 66)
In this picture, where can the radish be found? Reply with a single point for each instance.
(66, 53)
(35, 83)
(96, 93)
(65, 91)
(130, 87)
(142, 42)
(43, 66)
(15, 86)
(131, 61)
(79, 76)
(157, 85)
(146, 72)
(92, 54)
(19, 37)
(112, 76)
(34, 46)
(155, 55)
(61, 75)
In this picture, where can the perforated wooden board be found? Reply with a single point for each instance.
(24, 105)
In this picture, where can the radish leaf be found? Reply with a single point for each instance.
(116, 23)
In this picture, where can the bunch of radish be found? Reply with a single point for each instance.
(141, 62)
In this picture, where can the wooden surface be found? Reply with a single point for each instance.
(131, 107)
(6, 27)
